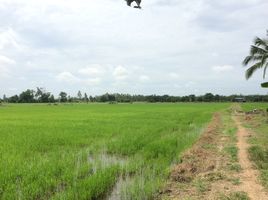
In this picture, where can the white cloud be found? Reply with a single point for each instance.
(120, 73)
(190, 84)
(92, 81)
(173, 75)
(8, 39)
(93, 70)
(144, 78)
(223, 68)
(6, 61)
(189, 37)
(67, 77)
(4, 71)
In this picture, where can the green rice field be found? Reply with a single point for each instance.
(94, 151)
(252, 106)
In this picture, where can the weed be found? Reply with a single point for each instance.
(235, 167)
(232, 150)
(259, 155)
(235, 196)
(201, 185)
(235, 181)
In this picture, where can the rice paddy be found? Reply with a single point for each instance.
(94, 151)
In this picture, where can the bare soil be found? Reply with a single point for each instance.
(250, 183)
(207, 171)
(201, 165)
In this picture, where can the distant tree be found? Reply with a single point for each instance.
(217, 98)
(51, 99)
(86, 98)
(199, 98)
(63, 97)
(69, 99)
(258, 56)
(185, 99)
(27, 96)
(79, 95)
(38, 93)
(4, 98)
(13, 99)
(192, 98)
(41, 95)
(111, 97)
(208, 97)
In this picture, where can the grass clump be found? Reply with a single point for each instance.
(235, 167)
(201, 185)
(235, 181)
(259, 155)
(232, 150)
(235, 196)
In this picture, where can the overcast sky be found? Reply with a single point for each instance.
(176, 47)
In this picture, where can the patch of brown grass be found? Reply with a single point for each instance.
(198, 159)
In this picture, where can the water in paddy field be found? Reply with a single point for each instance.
(104, 160)
(119, 190)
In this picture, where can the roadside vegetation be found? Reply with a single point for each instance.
(258, 151)
(86, 151)
(210, 169)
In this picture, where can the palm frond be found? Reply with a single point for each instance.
(264, 85)
(260, 42)
(258, 56)
(264, 59)
(251, 58)
(264, 70)
(255, 50)
(252, 69)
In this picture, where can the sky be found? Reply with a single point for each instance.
(175, 47)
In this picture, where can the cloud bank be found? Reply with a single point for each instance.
(172, 47)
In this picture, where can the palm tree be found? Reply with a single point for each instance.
(258, 56)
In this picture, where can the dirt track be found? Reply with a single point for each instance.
(207, 171)
(248, 175)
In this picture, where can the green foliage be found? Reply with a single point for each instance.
(259, 155)
(235, 167)
(27, 96)
(232, 150)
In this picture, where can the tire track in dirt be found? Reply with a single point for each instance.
(249, 176)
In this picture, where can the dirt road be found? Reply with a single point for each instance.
(249, 176)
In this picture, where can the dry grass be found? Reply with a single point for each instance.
(207, 170)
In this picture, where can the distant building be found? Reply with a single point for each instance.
(239, 99)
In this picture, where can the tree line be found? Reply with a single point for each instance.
(40, 95)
